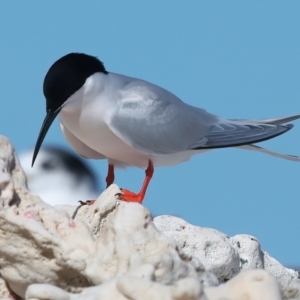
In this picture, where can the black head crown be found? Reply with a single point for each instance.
(67, 75)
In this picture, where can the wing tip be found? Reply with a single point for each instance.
(284, 128)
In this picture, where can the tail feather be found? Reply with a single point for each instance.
(276, 121)
(233, 133)
(269, 152)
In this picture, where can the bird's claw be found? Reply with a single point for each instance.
(129, 196)
(87, 202)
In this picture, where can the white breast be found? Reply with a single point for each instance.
(84, 115)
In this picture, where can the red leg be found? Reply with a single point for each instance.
(109, 180)
(110, 175)
(132, 197)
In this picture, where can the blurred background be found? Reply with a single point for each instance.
(237, 59)
(60, 176)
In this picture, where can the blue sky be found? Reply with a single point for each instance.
(237, 59)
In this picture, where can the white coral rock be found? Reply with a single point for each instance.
(123, 288)
(222, 255)
(250, 285)
(40, 244)
(113, 250)
(210, 246)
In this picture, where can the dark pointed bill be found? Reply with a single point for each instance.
(45, 127)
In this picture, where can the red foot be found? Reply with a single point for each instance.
(109, 180)
(87, 202)
(132, 197)
(129, 196)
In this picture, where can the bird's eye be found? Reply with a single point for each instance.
(48, 165)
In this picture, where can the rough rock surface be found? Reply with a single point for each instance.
(251, 284)
(220, 254)
(114, 250)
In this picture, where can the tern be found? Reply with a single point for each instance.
(59, 176)
(131, 122)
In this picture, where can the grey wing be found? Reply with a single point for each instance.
(155, 121)
(158, 122)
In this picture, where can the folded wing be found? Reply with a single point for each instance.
(156, 122)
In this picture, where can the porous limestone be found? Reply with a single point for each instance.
(114, 250)
(251, 285)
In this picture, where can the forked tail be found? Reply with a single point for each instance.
(243, 133)
(233, 133)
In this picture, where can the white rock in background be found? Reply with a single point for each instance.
(210, 246)
(113, 250)
(249, 251)
(277, 269)
(251, 256)
(222, 255)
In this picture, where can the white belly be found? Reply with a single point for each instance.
(103, 141)
(97, 136)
